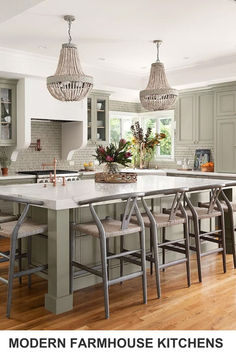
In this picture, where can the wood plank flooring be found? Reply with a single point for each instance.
(210, 305)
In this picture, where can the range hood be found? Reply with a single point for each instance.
(35, 103)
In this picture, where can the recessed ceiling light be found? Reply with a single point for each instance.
(102, 59)
(42, 47)
(186, 58)
(143, 67)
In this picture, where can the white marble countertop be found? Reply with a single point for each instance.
(16, 176)
(200, 173)
(66, 197)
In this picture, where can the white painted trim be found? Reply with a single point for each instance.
(119, 114)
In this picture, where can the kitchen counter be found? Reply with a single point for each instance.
(60, 200)
(174, 172)
(16, 176)
(66, 197)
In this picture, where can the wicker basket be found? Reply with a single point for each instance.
(207, 168)
(120, 177)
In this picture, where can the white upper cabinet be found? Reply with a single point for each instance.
(195, 118)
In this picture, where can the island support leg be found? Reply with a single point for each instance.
(58, 299)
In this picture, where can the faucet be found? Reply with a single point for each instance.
(53, 179)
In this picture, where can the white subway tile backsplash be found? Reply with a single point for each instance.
(50, 135)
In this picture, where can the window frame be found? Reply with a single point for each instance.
(158, 116)
(148, 115)
(122, 116)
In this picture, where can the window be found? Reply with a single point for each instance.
(160, 122)
(120, 123)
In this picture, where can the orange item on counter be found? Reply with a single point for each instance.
(207, 167)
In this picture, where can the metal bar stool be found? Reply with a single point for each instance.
(4, 217)
(105, 229)
(16, 230)
(217, 236)
(230, 209)
(155, 221)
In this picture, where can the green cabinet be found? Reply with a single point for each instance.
(185, 118)
(226, 145)
(194, 115)
(98, 117)
(226, 103)
(8, 113)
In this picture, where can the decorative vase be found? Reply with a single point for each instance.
(111, 168)
(4, 171)
(142, 156)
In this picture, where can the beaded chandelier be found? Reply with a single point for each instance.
(158, 94)
(69, 82)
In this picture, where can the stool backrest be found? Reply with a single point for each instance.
(131, 207)
(214, 199)
(24, 213)
(20, 200)
(176, 206)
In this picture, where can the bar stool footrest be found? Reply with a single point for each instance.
(217, 250)
(175, 248)
(87, 269)
(170, 264)
(124, 278)
(122, 254)
(30, 271)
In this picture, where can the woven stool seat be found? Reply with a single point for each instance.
(162, 220)
(4, 217)
(202, 213)
(111, 226)
(222, 203)
(28, 228)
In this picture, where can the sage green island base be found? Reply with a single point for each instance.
(58, 299)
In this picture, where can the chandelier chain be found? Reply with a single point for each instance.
(158, 51)
(69, 31)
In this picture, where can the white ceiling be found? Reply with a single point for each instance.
(12, 8)
(118, 34)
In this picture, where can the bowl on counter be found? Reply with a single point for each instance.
(89, 166)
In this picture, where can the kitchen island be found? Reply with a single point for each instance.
(59, 202)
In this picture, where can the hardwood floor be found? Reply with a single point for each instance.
(210, 305)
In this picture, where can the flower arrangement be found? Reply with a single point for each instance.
(112, 155)
(144, 145)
